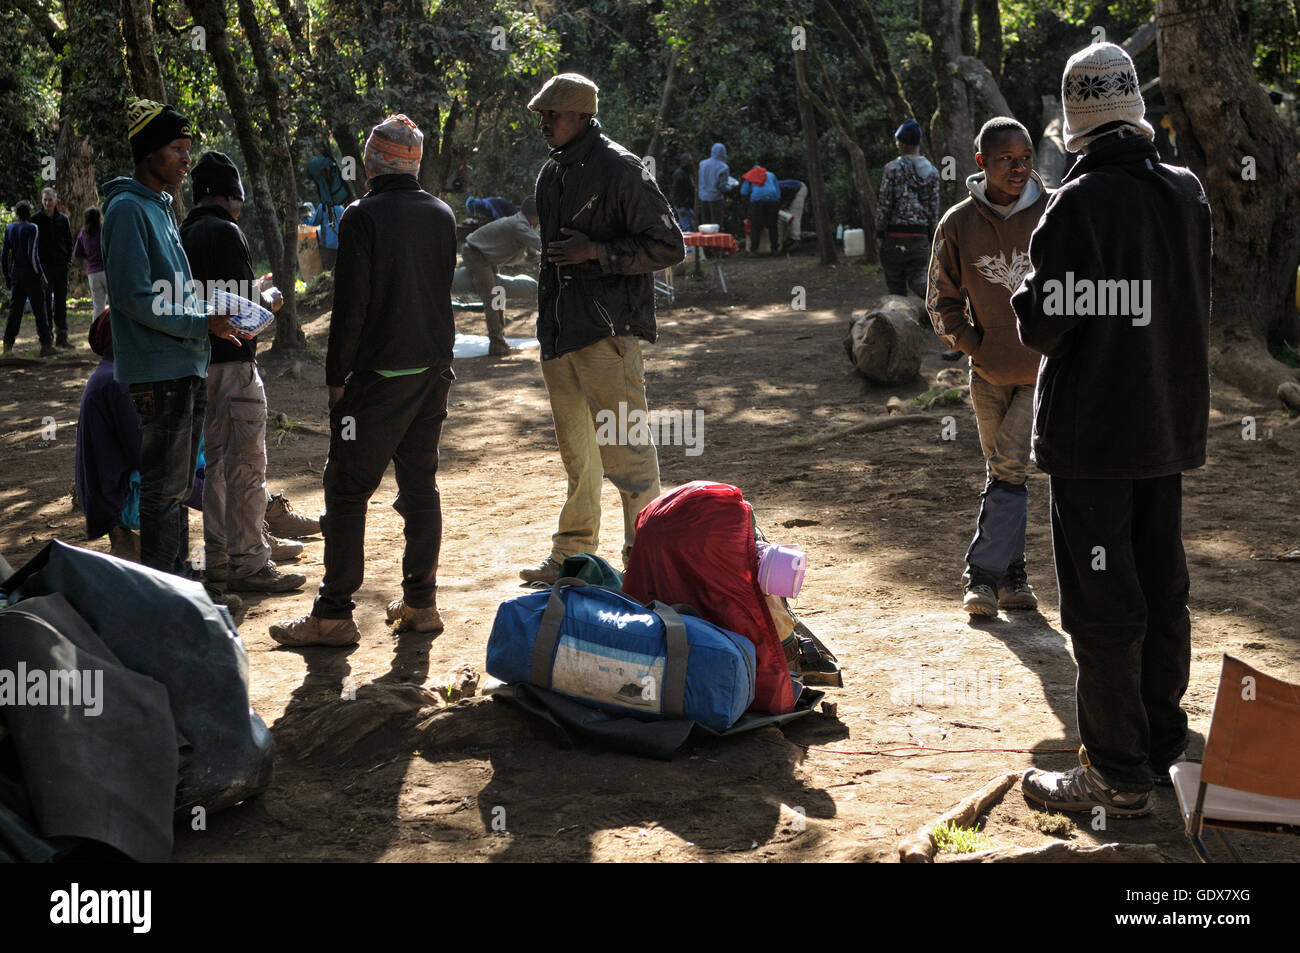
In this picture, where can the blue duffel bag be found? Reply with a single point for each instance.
(607, 650)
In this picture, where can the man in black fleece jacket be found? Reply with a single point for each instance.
(1118, 302)
(388, 368)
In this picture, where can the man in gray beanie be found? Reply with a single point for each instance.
(1118, 303)
(606, 228)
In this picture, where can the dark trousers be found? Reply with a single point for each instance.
(380, 419)
(1122, 576)
(905, 261)
(56, 305)
(27, 288)
(171, 425)
(764, 215)
(711, 212)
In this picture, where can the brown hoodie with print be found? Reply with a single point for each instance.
(976, 263)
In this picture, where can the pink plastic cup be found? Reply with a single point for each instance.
(781, 570)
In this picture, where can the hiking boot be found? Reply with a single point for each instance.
(1017, 594)
(282, 549)
(500, 348)
(404, 618)
(62, 342)
(547, 572)
(8, 350)
(980, 599)
(48, 350)
(1081, 789)
(283, 521)
(267, 579)
(313, 630)
(217, 573)
(124, 544)
(234, 605)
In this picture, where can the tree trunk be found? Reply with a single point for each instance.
(211, 15)
(143, 68)
(1052, 160)
(816, 184)
(281, 153)
(665, 107)
(990, 37)
(75, 175)
(1245, 155)
(884, 62)
(950, 128)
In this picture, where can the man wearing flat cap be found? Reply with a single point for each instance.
(160, 330)
(236, 552)
(606, 228)
(388, 369)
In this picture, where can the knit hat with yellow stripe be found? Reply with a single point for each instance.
(151, 125)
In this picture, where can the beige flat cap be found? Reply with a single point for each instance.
(567, 92)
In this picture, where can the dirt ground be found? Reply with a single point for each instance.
(885, 517)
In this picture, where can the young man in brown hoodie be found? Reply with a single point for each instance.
(979, 256)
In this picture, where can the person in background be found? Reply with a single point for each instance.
(980, 255)
(714, 183)
(794, 195)
(491, 246)
(237, 552)
(56, 256)
(764, 194)
(683, 192)
(907, 213)
(388, 368)
(326, 219)
(25, 279)
(88, 249)
(606, 228)
(489, 209)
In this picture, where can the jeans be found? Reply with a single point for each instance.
(171, 425)
(685, 217)
(905, 261)
(379, 419)
(27, 288)
(711, 211)
(234, 479)
(605, 376)
(1122, 576)
(1005, 417)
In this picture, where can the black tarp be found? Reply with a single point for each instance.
(167, 628)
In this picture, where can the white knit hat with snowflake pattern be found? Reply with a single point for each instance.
(1100, 86)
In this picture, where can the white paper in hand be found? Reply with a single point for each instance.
(245, 315)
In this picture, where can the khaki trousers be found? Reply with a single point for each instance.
(586, 388)
(484, 275)
(234, 481)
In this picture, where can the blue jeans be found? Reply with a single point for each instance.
(685, 217)
(171, 425)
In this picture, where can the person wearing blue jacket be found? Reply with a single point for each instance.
(25, 278)
(714, 181)
(160, 332)
(764, 194)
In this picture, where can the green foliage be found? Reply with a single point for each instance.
(1288, 354)
(1058, 825)
(952, 839)
(29, 84)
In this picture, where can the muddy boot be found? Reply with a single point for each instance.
(1015, 592)
(284, 522)
(981, 596)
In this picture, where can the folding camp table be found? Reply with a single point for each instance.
(721, 241)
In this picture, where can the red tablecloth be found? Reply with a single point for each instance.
(722, 241)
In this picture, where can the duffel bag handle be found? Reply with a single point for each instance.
(548, 633)
(675, 665)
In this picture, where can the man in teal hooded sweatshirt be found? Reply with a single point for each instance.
(160, 332)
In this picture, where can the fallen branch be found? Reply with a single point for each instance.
(919, 848)
(1065, 852)
(870, 425)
